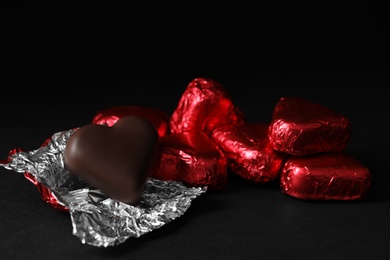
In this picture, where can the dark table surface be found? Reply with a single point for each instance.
(46, 89)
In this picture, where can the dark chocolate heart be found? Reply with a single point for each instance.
(116, 159)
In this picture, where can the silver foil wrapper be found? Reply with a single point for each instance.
(98, 220)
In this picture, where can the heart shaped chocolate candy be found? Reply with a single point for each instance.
(116, 159)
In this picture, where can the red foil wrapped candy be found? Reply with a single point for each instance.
(301, 127)
(111, 115)
(329, 176)
(249, 152)
(204, 106)
(192, 158)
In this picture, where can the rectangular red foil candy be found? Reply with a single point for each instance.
(111, 115)
(301, 127)
(329, 176)
(192, 158)
(249, 152)
(204, 106)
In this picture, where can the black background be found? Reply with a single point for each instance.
(62, 62)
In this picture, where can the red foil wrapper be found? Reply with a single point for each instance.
(204, 106)
(45, 193)
(301, 127)
(111, 115)
(249, 152)
(329, 176)
(192, 158)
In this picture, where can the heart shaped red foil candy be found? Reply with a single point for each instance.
(204, 106)
(111, 115)
(328, 176)
(249, 152)
(301, 127)
(192, 158)
(116, 159)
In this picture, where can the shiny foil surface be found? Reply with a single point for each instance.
(192, 158)
(111, 115)
(329, 176)
(98, 220)
(249, 152)
(46, 194)
(301, 127)
(203, 106)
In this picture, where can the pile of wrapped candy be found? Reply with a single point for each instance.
(303, 148)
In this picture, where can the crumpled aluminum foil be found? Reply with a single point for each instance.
(98, 220)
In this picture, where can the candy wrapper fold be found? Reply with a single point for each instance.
(98, 220)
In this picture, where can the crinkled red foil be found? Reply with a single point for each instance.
(111, 115)
(329, 176)
(46, 194)
(204, 106)
(192, 158)
(301, 127)
(249, 152)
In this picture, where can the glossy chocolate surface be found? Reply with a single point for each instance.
(115, 159)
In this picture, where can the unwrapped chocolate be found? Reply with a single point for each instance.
(249, 152)
(99, 220)
(328, 176)
(204, 106)
(301, 127)
(192, 158)
(115, 159)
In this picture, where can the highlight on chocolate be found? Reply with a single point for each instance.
(117, 159)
